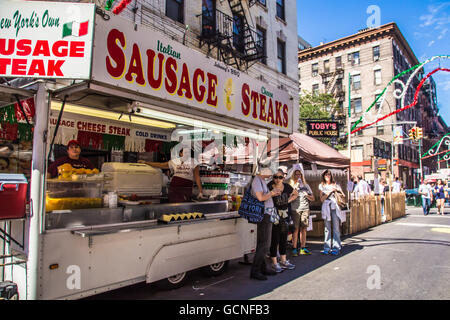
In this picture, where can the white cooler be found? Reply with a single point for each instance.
(132, 178)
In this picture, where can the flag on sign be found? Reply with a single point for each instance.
(75, 29)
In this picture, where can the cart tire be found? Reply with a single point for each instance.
(215, 269)
(173, 282)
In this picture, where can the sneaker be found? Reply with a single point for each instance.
(325, 251)
(295, 252)
(334, 252)
(305, 251)
(277, 268)
(287, 265)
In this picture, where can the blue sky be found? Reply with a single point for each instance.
(424, 23)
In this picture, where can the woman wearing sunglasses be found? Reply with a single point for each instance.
(300, 209)
(280, 228)
(330, 213)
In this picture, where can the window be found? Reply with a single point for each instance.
(315, 69)
(358, 133)
(353, 58)
(356, 105)
(339, 87)
(326, 66)
(338, 63)
(376, 53)
(238, 33)
(378, 103)
(380, 129)
(315, 89)
(356, 81)
(174, 10)
(261, 39)
(377, 77)
(280, 9)
(281, 57)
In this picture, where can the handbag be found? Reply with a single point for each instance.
(340, 200)
(251, 208)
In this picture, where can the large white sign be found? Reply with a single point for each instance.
(46, 39)
(147, 62)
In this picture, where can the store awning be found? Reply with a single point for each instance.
(7, 94)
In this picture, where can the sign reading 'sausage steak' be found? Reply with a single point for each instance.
(46, 39)
(149, 63)
(322, 129)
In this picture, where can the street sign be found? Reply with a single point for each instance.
(322, 129)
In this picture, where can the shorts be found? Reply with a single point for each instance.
(301, 218)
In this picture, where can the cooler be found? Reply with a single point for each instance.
(13, 196)
(132, 178)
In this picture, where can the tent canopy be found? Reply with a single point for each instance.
(304, 148)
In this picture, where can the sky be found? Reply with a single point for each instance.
(425, 24)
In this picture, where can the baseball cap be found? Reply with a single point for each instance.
(73, 142)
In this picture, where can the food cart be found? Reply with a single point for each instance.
(143, 90)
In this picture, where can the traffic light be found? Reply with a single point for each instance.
(413, 133)
(419, 133)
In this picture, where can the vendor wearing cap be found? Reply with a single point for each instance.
(73, 158)
(184, 170)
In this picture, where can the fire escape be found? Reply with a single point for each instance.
(236, 42)
(333, 81)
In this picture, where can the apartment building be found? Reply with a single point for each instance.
(357, 68)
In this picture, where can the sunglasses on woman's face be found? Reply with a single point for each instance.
(328, 174)
(278, 177)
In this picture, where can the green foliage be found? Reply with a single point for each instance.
(322, 106)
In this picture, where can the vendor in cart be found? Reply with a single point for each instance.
(73, 158)
(184, 170)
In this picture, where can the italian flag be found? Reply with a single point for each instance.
(77, 29)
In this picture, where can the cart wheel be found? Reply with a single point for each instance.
(173, 282)
(215, 269)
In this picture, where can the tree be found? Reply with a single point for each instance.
(322, 106)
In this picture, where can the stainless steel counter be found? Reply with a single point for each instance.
(133, 215)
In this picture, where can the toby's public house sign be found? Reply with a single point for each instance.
(46, 39)
(322, 129)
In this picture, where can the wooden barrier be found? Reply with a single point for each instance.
(365, 213)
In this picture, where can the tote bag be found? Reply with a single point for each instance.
(251, 208)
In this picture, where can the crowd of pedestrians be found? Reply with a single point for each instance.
(287, 197)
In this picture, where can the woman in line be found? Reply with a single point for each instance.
(280, 229)
(261, 192)
(330, 213)
(440, 197)
(300, 209)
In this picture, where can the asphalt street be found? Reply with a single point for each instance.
(408, 258)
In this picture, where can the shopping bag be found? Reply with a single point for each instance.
(251, 208)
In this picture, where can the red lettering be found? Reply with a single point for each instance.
(212, 93)
(135, 67)
(77, 49)
(154, 83)
(285, 116)
(23, 47)
(55, 68)
(7, 51)
(255, 99)
(262, 107)
(270, 117)
(185, 83)
(245, 105)
(59, 48)
(278, 105)
(171, 75)
(41, 48)
(19, 67)
(36, 67)
(3, 64)
(115, 37)
(199, 91)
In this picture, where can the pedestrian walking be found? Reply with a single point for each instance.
(280, 228)
(440, 197)
(362, 188)
(396, 186)
(330, 213)
(300, 208)
(427, 195)
(259, 268)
